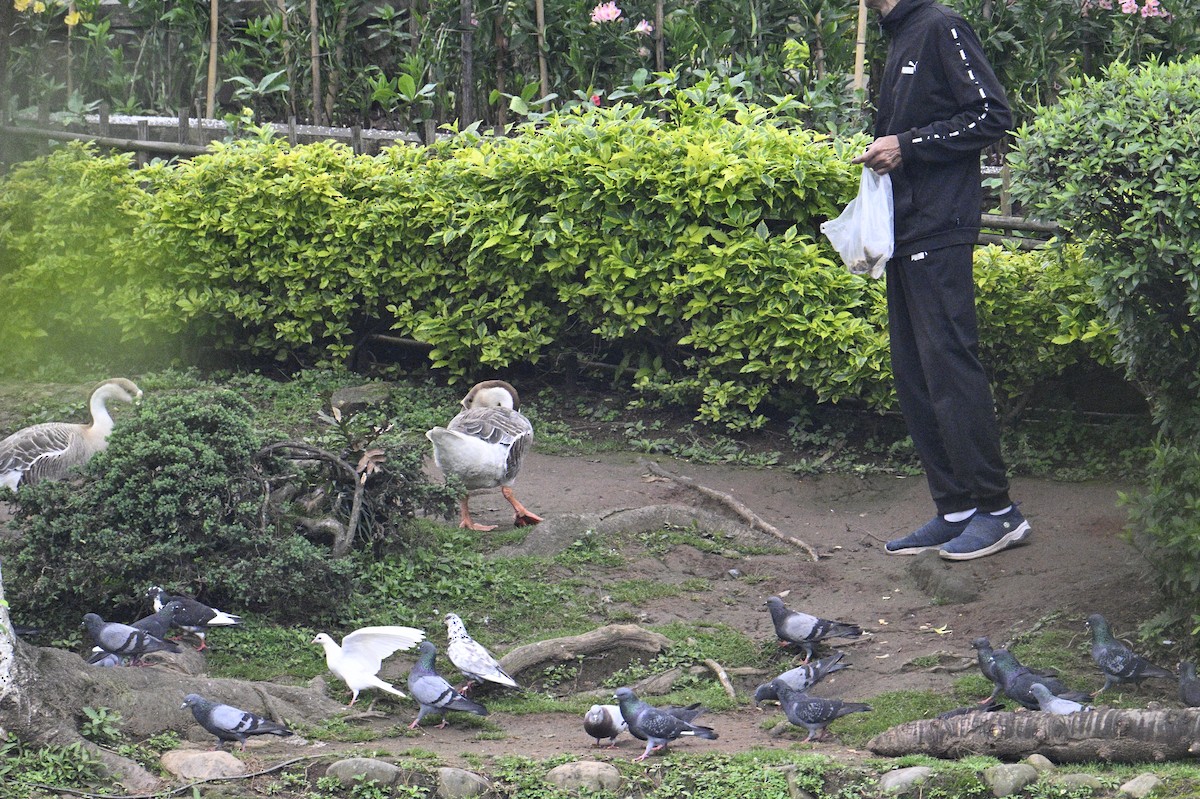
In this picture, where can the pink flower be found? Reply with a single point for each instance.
(606, 12)
(595, 99)
(644, 27)
(1105, 4)
(1129, 7)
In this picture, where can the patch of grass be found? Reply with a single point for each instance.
(638, 592)
(335, 729)
(23, 766)
(260, 651)
(887, 710)
(590, 549)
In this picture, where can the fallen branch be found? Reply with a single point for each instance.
(564, 650)
(745, 514)
(722, 677)
(1107, 734)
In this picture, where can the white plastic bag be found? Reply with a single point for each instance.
(862, 235)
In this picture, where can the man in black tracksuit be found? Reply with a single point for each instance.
(939, 106)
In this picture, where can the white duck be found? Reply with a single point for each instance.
(358, 660)
(50, 450)
(484, 446)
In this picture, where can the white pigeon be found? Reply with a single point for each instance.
(358, 660)
(470, 657)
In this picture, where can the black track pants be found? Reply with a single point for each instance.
(944, 393)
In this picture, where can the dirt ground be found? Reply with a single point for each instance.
(1075, 564)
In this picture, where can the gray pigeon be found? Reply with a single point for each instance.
(803, 677)
(794, 627)
(193, 616)
(1189, 686)
(107, 660)
(1117, 662)
(813, 712)
(471, 658)
(1050, 703)
(159, 622)
(985, 656)
(124, 640)
(230, 724)
(432, 692)
(604, 721)
(1018, 681)
(655, 726)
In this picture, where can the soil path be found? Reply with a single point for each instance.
(1075, 564)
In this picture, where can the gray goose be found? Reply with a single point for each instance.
(484, 446)
(50, 450)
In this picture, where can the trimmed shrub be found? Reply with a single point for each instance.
(170, 501)
(1115, 163)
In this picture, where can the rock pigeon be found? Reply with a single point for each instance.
(1189, 686)
(159, 622)
(193, 616)
(108, 660)
(604, 721)
(484, 446)
(230, 724)
(985, 656)
(358, 660)
(432, 692)
(805, 630)
(124, 640)
(813, 712)
(803, 677)
(656, 726)
(1018, 680)
(1050, 703)
(1117, 662)
(469, 656)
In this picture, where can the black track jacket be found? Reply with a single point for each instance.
(941, 98)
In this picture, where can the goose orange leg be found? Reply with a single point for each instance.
(523, 516)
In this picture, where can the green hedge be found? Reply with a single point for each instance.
(686, 248)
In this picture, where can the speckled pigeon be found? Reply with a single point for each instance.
(1050, 703)
(604, 721)
(432, 692)
(803, 677)
(813, 712)
(655, 726)
(471, 658)
(794, 627)
(1117, 662)
(124, 640)
(1189, 686)
(229, 723)
(193, 616)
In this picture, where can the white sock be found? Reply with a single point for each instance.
(961, 515)
(1002, 512)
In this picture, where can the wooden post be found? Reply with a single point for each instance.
(210, 97)
(860, 46)
(182, 132)
(501, 56)
(103, 126)
(543, 74)
(466, 94)
(143, 134)
(292, 130)
(660, 49)
(314, 24)
(356, 143)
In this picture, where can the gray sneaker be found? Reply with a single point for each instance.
(931, 535)
(986, 534)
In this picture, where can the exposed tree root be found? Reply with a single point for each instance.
(564, 650)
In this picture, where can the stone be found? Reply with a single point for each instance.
(1040, 762)
(1008, 779)
(457, 783)
(196, 764)
(1140, 786)
(903, 779)
(588, 775)
(370, 769)
(356, 398)
(940, 582)
(1077, 780)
